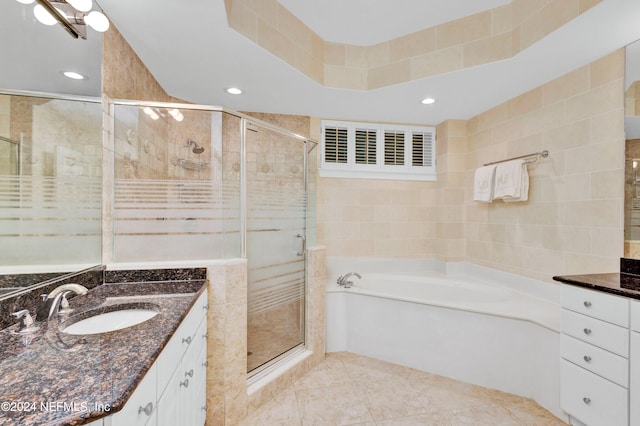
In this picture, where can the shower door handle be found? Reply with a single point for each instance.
(304, 245)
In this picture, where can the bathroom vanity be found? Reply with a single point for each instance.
(600, 349)
(152, 373)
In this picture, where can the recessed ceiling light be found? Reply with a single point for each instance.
(234, 91)
(74, 75)
(428, 101)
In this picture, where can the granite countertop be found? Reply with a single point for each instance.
(52, 378)
(621, 284)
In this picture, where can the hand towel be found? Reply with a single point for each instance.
(511, 181)
(483, 183)
(524, 189)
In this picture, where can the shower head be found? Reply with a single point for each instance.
(197, 149)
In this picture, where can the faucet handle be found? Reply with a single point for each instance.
(26, 321)
(64, 304)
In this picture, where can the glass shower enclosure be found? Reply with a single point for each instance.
(275, 231)
(195, 183)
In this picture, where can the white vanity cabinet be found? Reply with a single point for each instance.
(594, 369)
(171, 392)
(181, 401)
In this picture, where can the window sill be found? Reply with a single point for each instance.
(362, 174)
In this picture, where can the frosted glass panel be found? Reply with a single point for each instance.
(50, 181)
(276, 213)
(170, 201)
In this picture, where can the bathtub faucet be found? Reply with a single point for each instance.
(343, 280)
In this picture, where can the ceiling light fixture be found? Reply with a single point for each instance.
(74, 75)
(428, 101)
(73, 15)
(234, 91)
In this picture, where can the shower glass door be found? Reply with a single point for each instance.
(275, 244)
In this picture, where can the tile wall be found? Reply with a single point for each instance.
(573, 221)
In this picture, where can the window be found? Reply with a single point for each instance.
(335, 145)
(377, 151)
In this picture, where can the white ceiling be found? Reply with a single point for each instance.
(33, 56)
(195, 55)
(367, 22)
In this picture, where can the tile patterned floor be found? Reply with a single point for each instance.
(349, 389)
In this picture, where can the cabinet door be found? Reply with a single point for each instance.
(634, 382)
(141, 405)
(169, 404)
(200, 387)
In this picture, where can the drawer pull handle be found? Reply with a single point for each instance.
(587, 304)
(147, 409)
(187, 340)
(204, 408)
(586, 400)
(587, 358)
(205, 364)
(205, 307)
(587, 331)
(185, 383)
(189, 373)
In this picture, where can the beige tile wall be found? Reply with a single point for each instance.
(573, 221)
(476, 39)
(228, 400)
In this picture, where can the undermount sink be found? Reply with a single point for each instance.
(112, 318)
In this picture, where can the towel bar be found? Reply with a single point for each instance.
(543, 154)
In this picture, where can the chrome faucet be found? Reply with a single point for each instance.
(27, 324)
(343, 280)
(56, 301)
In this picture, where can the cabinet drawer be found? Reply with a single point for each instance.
(596, 332)
(635, 315)
(182, 339)
(595, 304)
(604, 363)
(591, 399)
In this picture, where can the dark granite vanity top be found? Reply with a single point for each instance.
(621, 284)
(53, 378)
(626, 283)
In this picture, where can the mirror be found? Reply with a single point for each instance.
(50, 185)
(632, 152)
(50, 151)
(33, 56)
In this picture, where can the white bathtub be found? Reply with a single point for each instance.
(459, 320)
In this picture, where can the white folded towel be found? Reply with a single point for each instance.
(512, 181)
(483, 183)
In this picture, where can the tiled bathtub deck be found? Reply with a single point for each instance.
(349, 389)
